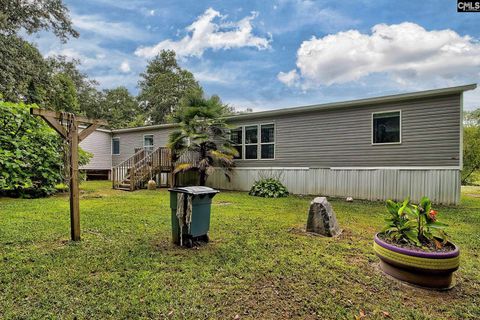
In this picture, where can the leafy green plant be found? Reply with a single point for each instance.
(268, 188)
(30, 163)
(31, 156)
(414, 224)
(471, 146)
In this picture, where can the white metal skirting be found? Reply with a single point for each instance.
(441, 185)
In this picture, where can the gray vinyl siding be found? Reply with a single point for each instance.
(342, 137)
(98, 143)
(131, 140)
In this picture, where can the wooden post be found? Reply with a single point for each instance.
(74, 190)
(112, 173)
(132, 178)
(71, 134)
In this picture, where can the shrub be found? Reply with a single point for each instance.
(268, 188)
(31, 156)
(84, 158)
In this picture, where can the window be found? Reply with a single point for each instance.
(148, 142)
(115, 146)
(267, 141)
(236, 136)
(386, 127)
(251, 142)
(254, 142)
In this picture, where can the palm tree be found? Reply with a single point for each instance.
(202, 141)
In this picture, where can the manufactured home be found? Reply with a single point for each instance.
(378, 148)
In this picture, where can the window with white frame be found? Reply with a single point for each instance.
(148, 142)
(254, 142)
(386, 127)
(267, 142)
(236, 136)
(115, 146)
(251, 142)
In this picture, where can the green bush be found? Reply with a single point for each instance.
(31, 156)
(268, 188)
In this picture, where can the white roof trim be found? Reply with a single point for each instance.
(332, 105)
(359, 102)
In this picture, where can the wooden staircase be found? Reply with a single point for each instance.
(134, 173)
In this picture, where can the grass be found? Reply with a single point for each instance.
(259, 265)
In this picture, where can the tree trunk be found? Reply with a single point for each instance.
(203, 177)
(203, 172)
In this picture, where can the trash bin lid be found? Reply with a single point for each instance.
(195, 190)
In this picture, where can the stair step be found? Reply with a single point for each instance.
(124, 189)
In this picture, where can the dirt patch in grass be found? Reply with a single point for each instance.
(222, 203)
(475, 195)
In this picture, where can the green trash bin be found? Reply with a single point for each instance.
(201, 198)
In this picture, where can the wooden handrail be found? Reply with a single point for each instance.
(139, 167)
(134, 155)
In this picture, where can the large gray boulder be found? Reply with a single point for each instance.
(322, 219)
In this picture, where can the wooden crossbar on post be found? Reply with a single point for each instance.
(73, 136)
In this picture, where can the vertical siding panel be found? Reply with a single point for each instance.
(442, 186)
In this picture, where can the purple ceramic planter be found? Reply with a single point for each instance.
(417, 253)
(432, 270)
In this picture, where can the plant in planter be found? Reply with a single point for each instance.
(414, 247)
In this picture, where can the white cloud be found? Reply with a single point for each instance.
(299, 13)
(213, 77)
(288, 78)
(405, 52)
(106, 29)
(125, 67)
(205, 34)
(99, 62)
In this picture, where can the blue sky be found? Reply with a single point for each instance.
(273, 54)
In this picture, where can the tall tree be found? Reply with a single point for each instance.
(34, 16)
(204, 132)
(24, 74)
(120, 108)
(471, 145)
(63, 94)
(162, 85)
(88, 96)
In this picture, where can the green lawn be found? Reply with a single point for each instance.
(259, 264)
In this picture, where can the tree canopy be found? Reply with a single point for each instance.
(24, 74)
(63, 95)
(56, 82)
(162, 85)
(471, 145)
(34, 16)
(120, 108)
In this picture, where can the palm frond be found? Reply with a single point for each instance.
(203, 164)
(210, 170)
(183, 167)
(221, 156)
(229, 149)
